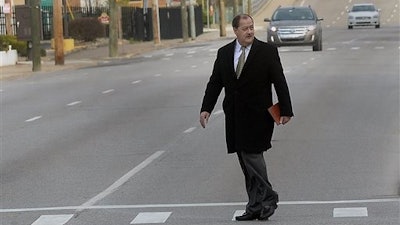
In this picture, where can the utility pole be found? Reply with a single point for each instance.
(113, 31)
(58, 33)
(192, 20)
(35, 32)
(185, 26)
(156, 23)
(222, 21)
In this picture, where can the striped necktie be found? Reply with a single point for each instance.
(241, 61)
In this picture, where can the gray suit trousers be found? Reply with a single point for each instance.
(259, 189)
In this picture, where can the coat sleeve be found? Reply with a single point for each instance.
(280, 85)
(214, 86)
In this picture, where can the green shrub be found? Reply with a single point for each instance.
(86, 29)
(20, 46)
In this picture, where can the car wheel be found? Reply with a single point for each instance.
(350, 27)
(317, 46)
(377, 26)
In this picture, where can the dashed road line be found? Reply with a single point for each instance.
(33, 119)
(218, 112)
(108, 91)
(74, 103)
(136, 81)
(190, 130)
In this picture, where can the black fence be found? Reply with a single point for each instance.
(136, 23)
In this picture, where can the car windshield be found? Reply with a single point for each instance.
(363, 8)
(293, 14)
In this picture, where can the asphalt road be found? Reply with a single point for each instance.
(121, 144)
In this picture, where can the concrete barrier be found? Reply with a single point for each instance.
(9, 57)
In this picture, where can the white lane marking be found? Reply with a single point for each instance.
(158, 75)
(108, 91)
(1, 90)
(355, 48)
(74, 103)
(177, 71)
(194, 66)
(218, 112)
(33, 119)
(122, 180)
(151, 217)
(169, 54)
(191, 52)
(166, 59)
(194, 205)
(331, 49)
(136, 81)
(379, 47)
(350, 212)
(53, 219)
(237, 213)
(189, 130)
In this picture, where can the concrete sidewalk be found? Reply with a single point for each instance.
(91, 55)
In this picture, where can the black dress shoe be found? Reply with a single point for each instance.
(267, 212)
(247, 216)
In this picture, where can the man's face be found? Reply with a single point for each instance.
(245, 31)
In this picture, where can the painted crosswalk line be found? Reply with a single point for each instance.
(151, 217)
(237, 213)
(350, 212)
(53, 219)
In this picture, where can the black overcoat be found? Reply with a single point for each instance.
(248, 125)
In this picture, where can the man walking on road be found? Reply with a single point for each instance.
(247, 68)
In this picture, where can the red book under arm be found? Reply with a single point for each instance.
(275, 112)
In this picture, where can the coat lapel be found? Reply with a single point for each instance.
(230, 56)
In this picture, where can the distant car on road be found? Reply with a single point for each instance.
(295, 26)
(363, 15)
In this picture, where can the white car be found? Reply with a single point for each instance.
(363, 15)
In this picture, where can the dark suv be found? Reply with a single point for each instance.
(295, 26)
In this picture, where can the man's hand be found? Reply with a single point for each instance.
(284, 119)
(204, 118)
